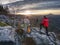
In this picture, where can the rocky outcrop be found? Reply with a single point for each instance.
(41, 38)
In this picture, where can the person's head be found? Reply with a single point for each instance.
(45, 17)
(28, 41)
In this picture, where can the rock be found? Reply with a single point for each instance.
(8, 33)
(43, 39)
(8, 36)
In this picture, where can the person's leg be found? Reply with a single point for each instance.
(47, 31)
(40, 26)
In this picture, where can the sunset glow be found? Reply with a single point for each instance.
(27, 12)
(40, 12)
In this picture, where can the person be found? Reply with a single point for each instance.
(45, 24)
(28, 41)
(26, 23)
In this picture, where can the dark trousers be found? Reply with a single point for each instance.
(41, 26)
(46, 28)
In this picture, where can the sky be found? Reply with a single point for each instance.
(35, 6)
(9, 1)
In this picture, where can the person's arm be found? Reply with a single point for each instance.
(42, 22)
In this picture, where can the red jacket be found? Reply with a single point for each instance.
(45, 22)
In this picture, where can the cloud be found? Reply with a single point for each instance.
(9, 1)
(37, 5)
(42, 5)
